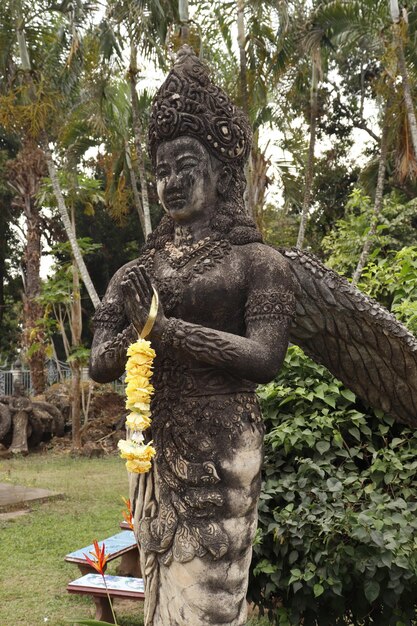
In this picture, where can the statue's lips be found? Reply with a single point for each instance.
(175, 202)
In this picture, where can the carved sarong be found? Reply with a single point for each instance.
(196, 514)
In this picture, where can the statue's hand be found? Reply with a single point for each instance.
(138, 291)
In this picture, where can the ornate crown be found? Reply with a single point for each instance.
(188, 103)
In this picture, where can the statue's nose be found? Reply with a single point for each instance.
(173, 182)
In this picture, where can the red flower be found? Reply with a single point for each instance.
(128, 515)
(100, 558)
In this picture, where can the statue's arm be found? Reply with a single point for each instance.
(112, 334)
(269, 310)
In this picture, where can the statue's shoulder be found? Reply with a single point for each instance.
(261, 257)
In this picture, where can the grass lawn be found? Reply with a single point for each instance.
(33, 575)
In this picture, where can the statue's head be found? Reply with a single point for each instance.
(18, 389)
(189, 179)
(199, 142)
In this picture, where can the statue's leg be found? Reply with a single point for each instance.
(20, 433)
(205, 591)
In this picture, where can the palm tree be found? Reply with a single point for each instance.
(41, 98)
(138, 135)
(399, 127)
(25, 173)
(184, 17)
(316, 72)
(266, 48)
(85, 276)
(379, 192)
(399, 28)
(241, 40)
(62, 292)
(146, 23)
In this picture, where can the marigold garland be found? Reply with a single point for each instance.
(139, 391)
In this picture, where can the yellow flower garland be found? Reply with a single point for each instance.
(139, 390)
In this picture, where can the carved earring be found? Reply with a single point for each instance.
(224, 180)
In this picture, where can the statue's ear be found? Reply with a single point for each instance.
(224, 179)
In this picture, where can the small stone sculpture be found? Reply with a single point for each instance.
(26, 421)
(228, 307)
(20, 407)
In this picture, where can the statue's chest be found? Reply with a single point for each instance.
(206, 286)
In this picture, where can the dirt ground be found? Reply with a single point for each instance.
(103, 429)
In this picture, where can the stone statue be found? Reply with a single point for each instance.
(21, 407)
(229, 305)
(27, 421)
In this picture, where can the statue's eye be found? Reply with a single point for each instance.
(162, 172)
(187, 164)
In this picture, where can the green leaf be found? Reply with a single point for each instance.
(293, 556)
(348, 394)
(334, 485)
(355, 433)
(330, 400)
(318, 590)
(266, 567)
(33, 349)
(297, 586)
(323, 446)
(371, 590)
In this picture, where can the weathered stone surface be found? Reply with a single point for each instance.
(20, 433)
(222, 327)
(25, 422)
(13, 515)
(227, 305)
(16, 496)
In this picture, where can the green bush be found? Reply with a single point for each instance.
(337, 536)
(392, 280)
(396, 229)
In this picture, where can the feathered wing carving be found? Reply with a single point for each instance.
(357, 339)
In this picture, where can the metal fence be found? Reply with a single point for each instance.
(56, 371)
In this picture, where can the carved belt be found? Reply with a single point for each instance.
(173, 381)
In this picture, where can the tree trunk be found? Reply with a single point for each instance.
(379, 191)
(76, 405)
(244, 102)
(308, 188)
(134, 185)
(33, 337)
(3, 255)
(85, 276)
(184, 19)
(76, 329)
(21, 38)
(260, 182)
(25, 60)
(241, 40)
(398, 26)
(23, 50)
(138, 134)
(24, 175)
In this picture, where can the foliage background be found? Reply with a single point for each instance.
(337, 537)
(322, 84)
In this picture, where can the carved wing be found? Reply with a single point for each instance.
(357, 339)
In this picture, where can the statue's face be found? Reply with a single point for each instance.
(186, 178)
